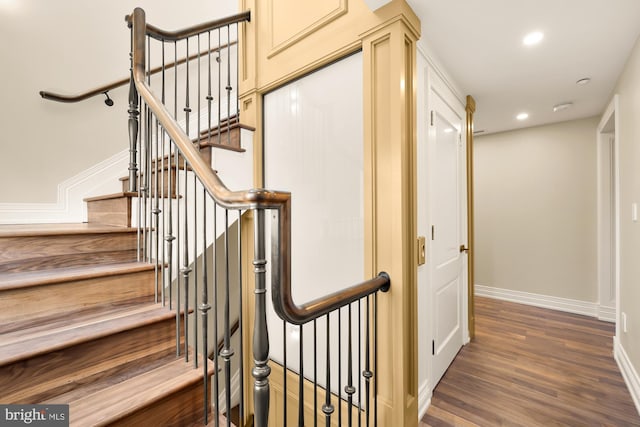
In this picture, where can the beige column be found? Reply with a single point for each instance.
(390, 163)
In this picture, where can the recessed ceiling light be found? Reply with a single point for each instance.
(522, 116)
(584, 81)
(532, 38)
(563, 106)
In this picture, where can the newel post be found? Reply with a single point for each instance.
(261, 369)
(134, 112)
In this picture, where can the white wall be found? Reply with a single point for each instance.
(628, 88)
(535, 210)
(313, 139)
(70, 46)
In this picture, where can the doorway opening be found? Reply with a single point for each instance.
(608, 214)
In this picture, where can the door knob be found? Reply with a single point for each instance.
(463, 248)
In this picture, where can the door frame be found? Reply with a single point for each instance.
(471, 308)
(608, 196)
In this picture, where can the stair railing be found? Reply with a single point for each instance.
(198, 218)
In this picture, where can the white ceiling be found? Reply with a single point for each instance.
(479, 44)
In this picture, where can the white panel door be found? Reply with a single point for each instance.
(448, 213)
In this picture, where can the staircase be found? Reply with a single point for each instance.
(79, 324)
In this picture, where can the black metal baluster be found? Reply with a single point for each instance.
(339, 366)
(216, 383)
(359, 362)
(227, 351)
(164, 196)
(228, 87)
(204, 309)
(156, 211)
(315, 373)
(375, 359)
(195, 216)
(284, 369)
(148, 181)
(301, 380)
(219, 59)
(178, 253)
(327, 408)
(349, 389)
(367, 374)
(237, 74)
(209, 97)
(185, 257)
(185, 265)
(240, 322)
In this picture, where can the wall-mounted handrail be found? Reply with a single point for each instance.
(52, 96)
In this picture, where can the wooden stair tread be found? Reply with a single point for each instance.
(118, 401)
(33, 230)
(112, 196)
(59, 275)
(82, 327)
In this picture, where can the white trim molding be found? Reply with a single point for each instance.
(545, 301)
(424, 399)
(607, 314)
(628, 371)
(102, 178)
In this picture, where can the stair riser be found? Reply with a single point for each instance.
(116, 211)
(59, 298)
(54, 251)
(182, 408)
(164, 186)
(40, 378)
(70, 261)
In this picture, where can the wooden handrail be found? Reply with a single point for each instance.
(51, 96)
(164, 35)
(254, 199)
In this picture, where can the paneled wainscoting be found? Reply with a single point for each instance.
(531, 366)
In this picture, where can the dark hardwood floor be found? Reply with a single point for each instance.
(530, 366)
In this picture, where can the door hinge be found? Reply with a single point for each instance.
(433, 232)
(433, 347)
(432, 120)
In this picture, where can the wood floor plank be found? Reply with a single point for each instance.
(531, 366)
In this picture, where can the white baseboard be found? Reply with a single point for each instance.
(628, 371)
(607, 314)
(424, 399)
(538, 300)
(101, 178)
